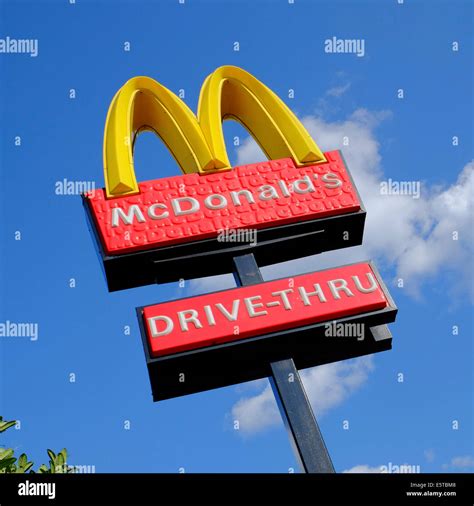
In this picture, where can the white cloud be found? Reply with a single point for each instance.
(257, 412)
(463, 462)
(418, 241)
(417, 244)
(327, 386)
(429, 455)
(329, 103)
(385, 468)
(363, 468)
(338, 91)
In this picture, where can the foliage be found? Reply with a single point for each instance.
(10, 464)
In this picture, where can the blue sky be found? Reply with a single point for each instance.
(82, 329)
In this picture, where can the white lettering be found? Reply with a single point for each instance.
(133, 211)
(267, 192)
(178, 211)
(317, 291)
(236, 194)
(284, 297)
(336, 285)
(232, 317)
(373, 283)
(305, 181)
(222, 201)
(251, 306)
(331, 181)
(153, 215)
(188, 316)
(154, 329)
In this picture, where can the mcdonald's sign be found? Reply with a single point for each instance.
(298, 203)
(227, 337)
(301, 202)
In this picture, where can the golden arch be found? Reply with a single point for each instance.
(231, 92)
(198, 143)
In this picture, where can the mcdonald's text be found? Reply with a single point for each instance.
(192, 206)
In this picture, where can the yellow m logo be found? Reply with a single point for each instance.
(197, 143)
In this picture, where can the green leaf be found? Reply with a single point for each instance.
(7, 453)
(6, 425)
(27, 467)
(59, 463)
(23, 464)
(10, 464)
(6, 463)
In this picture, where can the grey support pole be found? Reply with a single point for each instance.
(295, 409)
(299, 419)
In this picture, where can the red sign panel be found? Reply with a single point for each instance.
(191, 207)
(259, 309)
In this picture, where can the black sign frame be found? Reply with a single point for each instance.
(209, 257)
(249, 359)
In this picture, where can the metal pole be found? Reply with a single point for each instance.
(295, 409)
(299, 419)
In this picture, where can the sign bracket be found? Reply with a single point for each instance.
(295, 409)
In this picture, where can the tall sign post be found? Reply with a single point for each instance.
(296, 412)
(299, 203)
